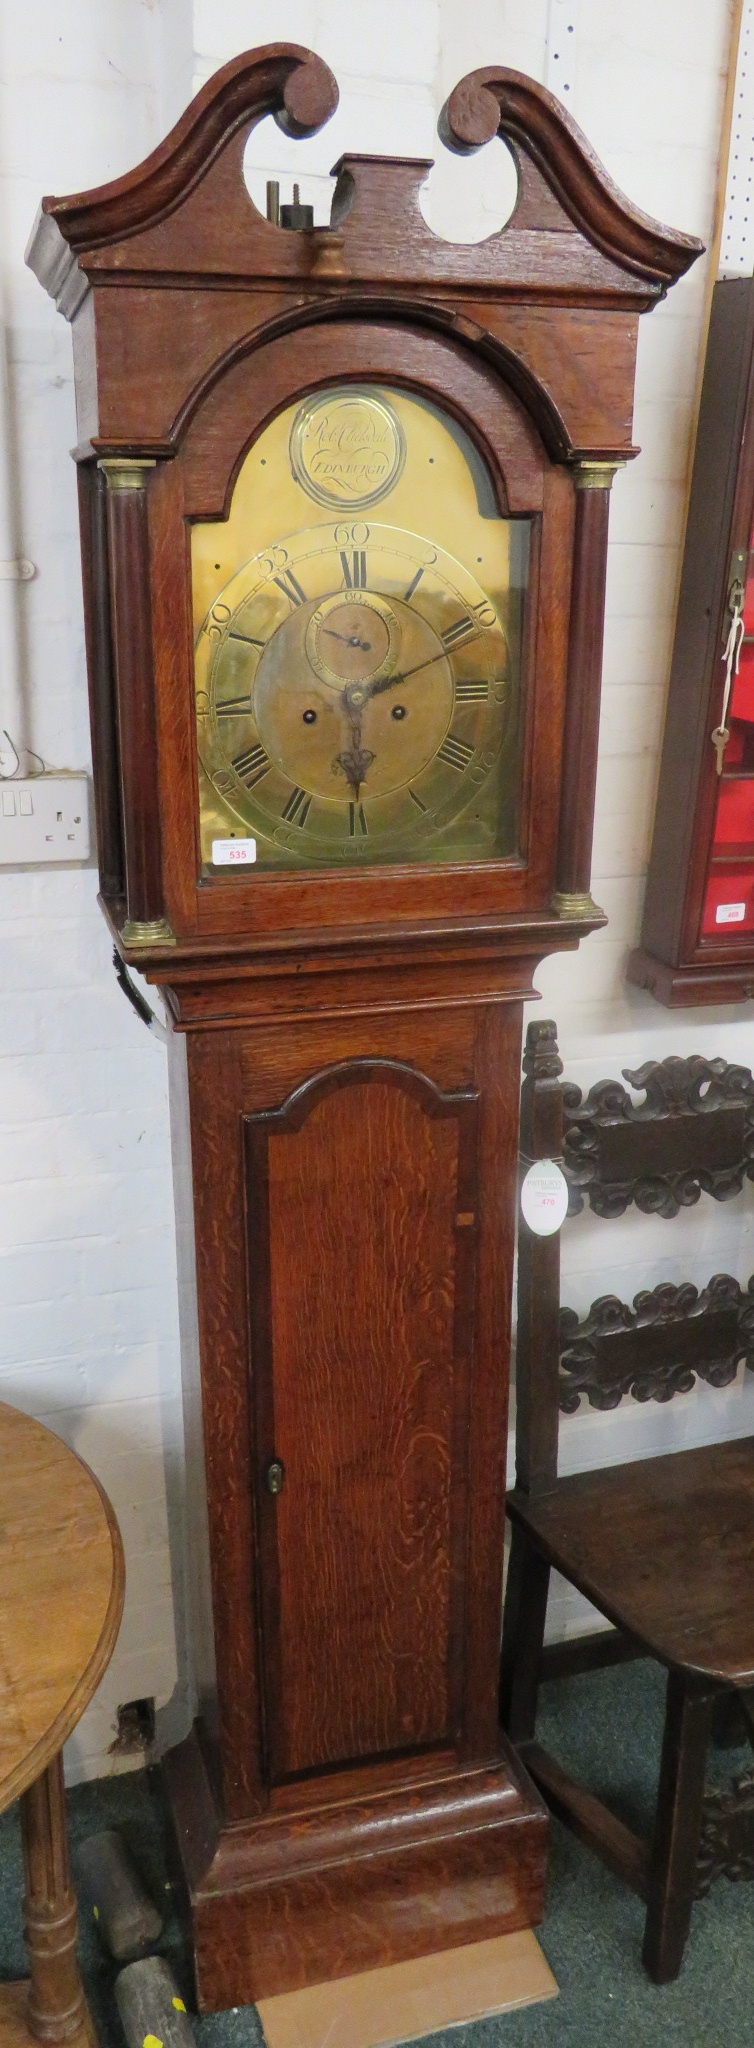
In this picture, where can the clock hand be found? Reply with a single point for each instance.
(386, 682)
(348, 639)
(355, 696)
(354, 760)
(358, 694)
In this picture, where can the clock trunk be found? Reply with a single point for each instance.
(351, 1408)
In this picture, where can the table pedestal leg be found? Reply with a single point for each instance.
(56, 2010)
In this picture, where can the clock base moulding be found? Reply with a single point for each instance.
(373, 1876)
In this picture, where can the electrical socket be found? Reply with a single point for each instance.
(43, 818)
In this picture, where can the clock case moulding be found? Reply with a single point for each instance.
(345, 1050)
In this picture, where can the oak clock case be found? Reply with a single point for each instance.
(344, 509)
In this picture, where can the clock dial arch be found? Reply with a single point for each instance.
(359, 679)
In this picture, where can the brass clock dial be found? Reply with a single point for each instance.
(357, 696)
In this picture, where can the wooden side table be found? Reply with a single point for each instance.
(62, 1582)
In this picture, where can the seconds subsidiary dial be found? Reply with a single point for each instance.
(353, 693)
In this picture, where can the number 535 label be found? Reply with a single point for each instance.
(233, 853)
(544, 1197)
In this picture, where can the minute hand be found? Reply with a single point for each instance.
(389, 682)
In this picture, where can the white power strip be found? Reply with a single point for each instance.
(43, 818)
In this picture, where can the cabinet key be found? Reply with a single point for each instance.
(720, 738)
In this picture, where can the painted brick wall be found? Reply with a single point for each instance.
(88, 1335)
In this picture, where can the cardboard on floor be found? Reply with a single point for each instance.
(407, 2000)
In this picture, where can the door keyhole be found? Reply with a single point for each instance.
(274, 1476)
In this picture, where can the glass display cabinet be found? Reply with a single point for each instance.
(697, 941)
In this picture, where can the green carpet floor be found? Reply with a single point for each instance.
(609, 1725)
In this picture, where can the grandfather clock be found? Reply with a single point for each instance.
(344, 498)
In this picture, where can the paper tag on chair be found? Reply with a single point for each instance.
(544, 1197)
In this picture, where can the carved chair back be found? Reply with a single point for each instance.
(691, 1132)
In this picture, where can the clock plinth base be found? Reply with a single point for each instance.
(318, 1888)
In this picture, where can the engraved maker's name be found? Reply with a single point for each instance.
(357, 451)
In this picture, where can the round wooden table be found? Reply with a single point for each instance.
(62, 1582)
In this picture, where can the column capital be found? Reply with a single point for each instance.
(126, 472)
(594, 476)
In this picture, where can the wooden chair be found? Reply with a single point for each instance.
(664, 1546)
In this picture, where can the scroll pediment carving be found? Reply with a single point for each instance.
(282, 79)
(186, 209)
(536, 300)
(497, 101)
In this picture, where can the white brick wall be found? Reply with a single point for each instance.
(88, 1330)
(87, 1261)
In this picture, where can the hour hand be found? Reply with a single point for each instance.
(354, 760)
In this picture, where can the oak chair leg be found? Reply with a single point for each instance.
(56, 2011)
(675, 1845)
(523, 1636)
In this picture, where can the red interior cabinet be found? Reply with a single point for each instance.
(697, 940)
(345, 929)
